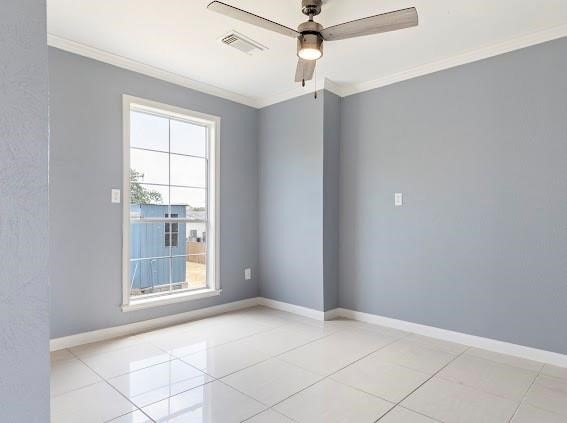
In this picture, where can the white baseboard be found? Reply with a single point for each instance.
(292, 308)
(333, 314)
(147, 325)
(458, 337)
(433, 332)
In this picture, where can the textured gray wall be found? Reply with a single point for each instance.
(331, 140)
(480, 153)
(291, 201)
(24, 297)
(86, 162)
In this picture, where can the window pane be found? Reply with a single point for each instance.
(192, 198)
(188, 139)
(188, 171)
(194, 267)
(148, 194)
(151, 240)
(149, 131)
(149, 276)
(149, 167)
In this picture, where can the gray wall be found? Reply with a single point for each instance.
(291, 201)
(24, 321)
(331, 141)
(480, 153)
(86, 163)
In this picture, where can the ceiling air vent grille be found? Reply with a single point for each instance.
(242, 43)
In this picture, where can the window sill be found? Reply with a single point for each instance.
(170, 299)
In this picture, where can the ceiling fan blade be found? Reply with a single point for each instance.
(244, 16)
(305, 70)
(385, 22)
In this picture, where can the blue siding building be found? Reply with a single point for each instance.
(150, 245)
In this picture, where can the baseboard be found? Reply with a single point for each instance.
(292, 308)
(458, 337)
(147, 325)
(333, 314)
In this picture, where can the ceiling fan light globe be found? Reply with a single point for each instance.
(310, 46)
(310, 54)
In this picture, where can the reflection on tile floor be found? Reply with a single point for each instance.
(265, 366)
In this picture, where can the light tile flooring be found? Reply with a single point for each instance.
(265, 366)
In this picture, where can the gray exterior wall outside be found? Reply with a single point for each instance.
(149, 241)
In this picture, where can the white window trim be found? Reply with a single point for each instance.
(213, 248)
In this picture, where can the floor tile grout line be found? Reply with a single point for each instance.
(279, 326)
(331, 374)
(107, 382)
(101, 379)
(263, 352)
(421, 385)
(213, 346)
(179, 393)
(204, 320)
(526, 394)
(343, 331)
(255, 364)
(493, 362)
(502, 363)
(272, 410)
(419, 413)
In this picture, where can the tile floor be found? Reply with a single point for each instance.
(265, 366)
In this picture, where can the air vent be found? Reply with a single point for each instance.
(242, 43)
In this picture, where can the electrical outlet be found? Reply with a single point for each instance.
(247, 274)
(398, 199)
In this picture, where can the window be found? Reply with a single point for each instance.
(171, 232)
(170, 240)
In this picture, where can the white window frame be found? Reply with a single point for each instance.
(213, 203)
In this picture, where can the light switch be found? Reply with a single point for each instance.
(247, 274)
(398, 199)
(115, 196)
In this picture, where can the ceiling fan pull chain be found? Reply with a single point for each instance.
(315, 84)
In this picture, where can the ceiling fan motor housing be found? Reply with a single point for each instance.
(310, 38)
(311, 7)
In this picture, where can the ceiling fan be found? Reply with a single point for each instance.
(310, 35)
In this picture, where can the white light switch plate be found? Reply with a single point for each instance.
(398, 199)
(247, 274)
(115, 196)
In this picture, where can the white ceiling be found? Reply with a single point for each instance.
(182, 38)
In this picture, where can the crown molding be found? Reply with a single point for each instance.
(458, 60)
(340, 89)
(144, 69)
